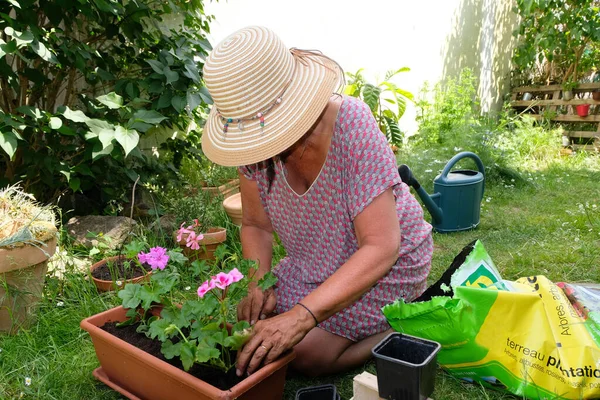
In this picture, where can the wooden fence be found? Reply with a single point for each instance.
(547, 102)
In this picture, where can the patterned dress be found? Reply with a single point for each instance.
(317, 231)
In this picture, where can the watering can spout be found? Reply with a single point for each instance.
(430, 201)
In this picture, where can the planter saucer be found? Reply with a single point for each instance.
(102, 377)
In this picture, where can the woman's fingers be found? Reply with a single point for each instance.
(245, 355)
(270, 304)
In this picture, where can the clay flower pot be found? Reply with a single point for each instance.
(228, 189)
(583, 110)
(23, 270)
(596, 95)
(118, 283)
(139, 375)
(233, 208)
(213, 237)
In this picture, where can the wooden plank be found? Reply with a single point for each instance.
(365, 387)
(585, 147)
(574, 102)
(570, 118)
(551, 88)
(582, 134)
(555, 96)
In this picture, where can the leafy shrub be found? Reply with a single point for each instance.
(83, 81)
(385, 99)
(454, 108)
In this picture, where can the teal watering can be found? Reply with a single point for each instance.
(456, 203)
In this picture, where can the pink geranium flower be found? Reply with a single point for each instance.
(203, 289)
(182, 231)
(157, 257)
(235, 275)
(222, 280)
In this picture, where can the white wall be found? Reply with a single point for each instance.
(435, 38)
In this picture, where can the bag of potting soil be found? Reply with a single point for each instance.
(530, 337)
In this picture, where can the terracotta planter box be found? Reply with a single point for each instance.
(228, 189)
(23, 269)
(212, 239)
(106, 286)
(139, 375)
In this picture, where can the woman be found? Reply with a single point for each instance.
(315, 169)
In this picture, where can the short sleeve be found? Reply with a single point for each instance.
(249, 171)
(372, 163)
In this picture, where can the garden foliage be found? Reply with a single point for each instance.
(81, 82)
(559, 40)
(385, 99)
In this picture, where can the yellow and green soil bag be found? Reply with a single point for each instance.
(526, 337)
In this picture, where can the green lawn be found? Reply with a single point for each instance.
(550, 225)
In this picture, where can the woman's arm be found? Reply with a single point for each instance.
(378, 233)
(257, 245)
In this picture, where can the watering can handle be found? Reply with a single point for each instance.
(457, 158)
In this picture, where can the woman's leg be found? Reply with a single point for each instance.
(323, 353)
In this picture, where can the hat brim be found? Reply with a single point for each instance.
(303, 101)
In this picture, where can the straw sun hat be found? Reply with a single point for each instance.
(266, 96)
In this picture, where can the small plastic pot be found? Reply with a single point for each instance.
(406, 367)
(583, 110)
(323, 392)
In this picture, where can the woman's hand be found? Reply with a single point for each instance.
(257, 305)
(271, 337)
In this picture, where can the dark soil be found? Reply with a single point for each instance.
(119, 270)
(142, 342)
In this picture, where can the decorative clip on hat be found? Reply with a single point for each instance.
(265, 96)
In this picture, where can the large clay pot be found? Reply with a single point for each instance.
(139, 375)
(213, 237)
(233, 208)
(228, 189)
(117, 284)
(22, 271)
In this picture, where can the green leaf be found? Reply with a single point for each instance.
(193, 100)
(131, 295)
(127, 138)
(170, 350)
(175, 316)
(111, 100)
(371, 96)
(178, 103)
(199, 267)
(149, 116)
(148, 296)
(172, 76)
(55, 123)
(99, 150)
(41, 50)
(177, 256)
(14, 3)
(221, 253)
(157, 66)
(74, 184)
(393, 134)
(191, 71)
(204, 353)
(268, 280)
(205, 95)
(8, 142)
(75, 116)
(159, 329)
(164, 100)
(7, 48)
(132, 90)
(237, 340)
(105, 75)
(188, 354)
(32, 112)
(106, 137)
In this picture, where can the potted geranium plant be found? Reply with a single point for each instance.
(27, 241)
(201, 222)
(151, 347)
(126, 267)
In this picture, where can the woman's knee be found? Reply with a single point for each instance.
(310, 362)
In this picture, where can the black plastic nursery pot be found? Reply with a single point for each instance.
(322, 392)
(406, 367)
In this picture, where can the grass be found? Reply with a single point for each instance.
(549, 224)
